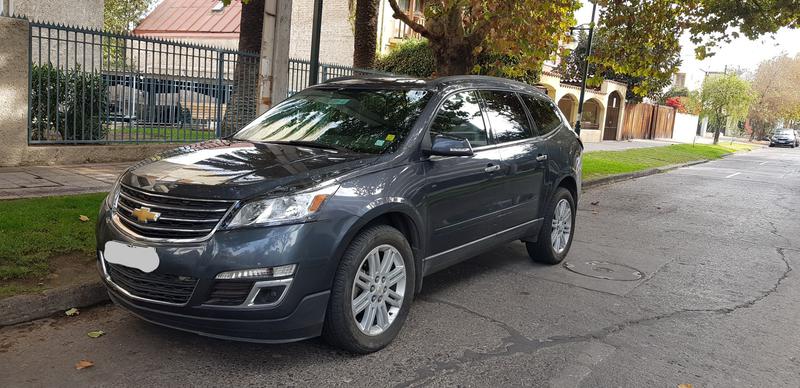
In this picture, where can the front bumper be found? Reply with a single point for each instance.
(300, 312)
(780, 142)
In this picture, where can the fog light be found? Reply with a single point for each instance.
(258, 273)
(269, 295)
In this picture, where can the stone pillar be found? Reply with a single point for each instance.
(13, 90)
(273, 78)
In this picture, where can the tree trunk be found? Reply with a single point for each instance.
(243, 105)
(453, 58)
(717, 128)
(365, 34)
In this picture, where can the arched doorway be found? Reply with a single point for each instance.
(591, 116)
(568, 106)
(612, 116)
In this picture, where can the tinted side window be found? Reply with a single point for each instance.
(460, 115)
(506, 116)
(544, 116)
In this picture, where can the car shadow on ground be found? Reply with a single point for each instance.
(314, 350)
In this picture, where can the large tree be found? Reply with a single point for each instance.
(726, 100)
(639, 86)
(526, 31)
(645, 33)
(365, 33)
(776, 85)
(244, 100)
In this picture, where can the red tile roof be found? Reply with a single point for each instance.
(192, 18)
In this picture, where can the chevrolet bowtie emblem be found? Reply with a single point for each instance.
(144, 215)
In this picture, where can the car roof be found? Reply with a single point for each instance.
(434, 84)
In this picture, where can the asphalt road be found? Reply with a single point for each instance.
(718, 305)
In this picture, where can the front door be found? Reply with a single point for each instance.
(523, 158)
(462, 192)
(612, 117)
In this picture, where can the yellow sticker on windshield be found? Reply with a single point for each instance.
(389, 137)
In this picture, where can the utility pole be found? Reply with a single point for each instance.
(273, 77)
(316, 30)
(585, 70)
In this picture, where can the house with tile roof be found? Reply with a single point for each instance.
(208, 22)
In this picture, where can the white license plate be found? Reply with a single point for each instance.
(144, 259)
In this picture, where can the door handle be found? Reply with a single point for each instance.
(492, 168)
(541, 158)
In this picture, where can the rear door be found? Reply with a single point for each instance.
(523, 157)
(462, 192)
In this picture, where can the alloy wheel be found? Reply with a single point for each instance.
(378, 289)
(561, 226)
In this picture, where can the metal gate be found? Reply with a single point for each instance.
(90, 86)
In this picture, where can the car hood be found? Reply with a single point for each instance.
(222, 169)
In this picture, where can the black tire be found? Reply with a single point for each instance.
(542, 250)
(340, 328)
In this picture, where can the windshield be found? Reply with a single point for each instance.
(783, 132)
(366, 121)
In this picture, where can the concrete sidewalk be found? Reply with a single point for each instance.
(43, 181)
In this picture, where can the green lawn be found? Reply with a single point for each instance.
(34, 230)
(603, 163)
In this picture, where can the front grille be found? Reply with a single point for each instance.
(159, 287)
(229, 293)
(180, 218)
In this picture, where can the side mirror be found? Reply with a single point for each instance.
(444, 145)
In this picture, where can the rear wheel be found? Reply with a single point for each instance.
(372, 291)
(555, 237)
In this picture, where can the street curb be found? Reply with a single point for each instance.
(606, 180)
(23, 308)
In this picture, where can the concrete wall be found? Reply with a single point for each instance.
(84, 13)
(685, 127)
(13, 89)
(14, 148)
(336, 44)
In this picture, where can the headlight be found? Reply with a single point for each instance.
(111, 198)
(296, 207)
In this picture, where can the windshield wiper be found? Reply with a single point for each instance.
(313, 144)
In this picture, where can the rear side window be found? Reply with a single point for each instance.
(460, 116)
(543, 114)
(506, 116)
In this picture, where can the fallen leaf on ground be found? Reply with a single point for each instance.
(595, 212)
(83, 364)
(72, 312)
(684, 385)
(83, 218)
(595, 203)
(95, 334)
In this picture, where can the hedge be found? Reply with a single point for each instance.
(69, 101)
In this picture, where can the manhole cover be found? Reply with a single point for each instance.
(604, 270)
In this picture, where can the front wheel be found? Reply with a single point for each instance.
(555, 237)
(372, 291)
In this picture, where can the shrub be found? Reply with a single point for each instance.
(69, 101)
(412, 57)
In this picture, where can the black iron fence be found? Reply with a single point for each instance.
(299, 71)
(89, 86)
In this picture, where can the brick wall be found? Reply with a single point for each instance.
(336, 45)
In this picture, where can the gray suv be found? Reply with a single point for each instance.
(323, 216)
